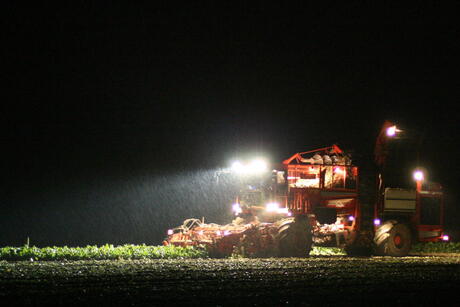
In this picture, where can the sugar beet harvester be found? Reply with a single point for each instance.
(313, 199)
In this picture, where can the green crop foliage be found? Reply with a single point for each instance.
(104, 252)
(327, 251)
(437, 247)
(134, 252)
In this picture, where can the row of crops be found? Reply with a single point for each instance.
(419, 248)
(110, 252)
(104, 252)
(437, 247)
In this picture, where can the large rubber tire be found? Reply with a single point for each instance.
(393, 239)
(361, 246)
(294, 237)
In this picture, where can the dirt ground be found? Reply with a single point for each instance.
(331, 280)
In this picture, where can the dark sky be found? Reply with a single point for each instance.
(99, 93)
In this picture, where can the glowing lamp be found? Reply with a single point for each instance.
(257, 166)
(377, 222)
(391, 131)
(254, 167)
(237, 167)
(418, 175)
(236, 208)
(271, 207)
(351, 218)
(445, 238)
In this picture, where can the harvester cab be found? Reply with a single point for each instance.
(261, 197)
(404, 215)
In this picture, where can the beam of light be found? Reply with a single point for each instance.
(272, 207)
(282, 211)
(236, 208)
(391, 131)
(418, 175)
(237, 167)
(169, 198)
(256, 166)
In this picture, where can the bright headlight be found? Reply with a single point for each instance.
(391, 131)
(236, 208)
(418, 175)
(237, 167)
(257, 166)
(271, 207)
(254, 167)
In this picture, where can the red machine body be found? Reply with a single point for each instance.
(403, 216)
(317, 189)
(313, 198)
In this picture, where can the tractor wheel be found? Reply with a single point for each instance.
(294, 238)
(393, 239)
(361, 246)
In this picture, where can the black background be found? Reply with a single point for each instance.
(116, 118)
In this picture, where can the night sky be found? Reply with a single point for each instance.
(116, 118)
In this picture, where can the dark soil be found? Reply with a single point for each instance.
(332, 280)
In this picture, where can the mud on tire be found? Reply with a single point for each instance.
(294, 237)
(393, 239)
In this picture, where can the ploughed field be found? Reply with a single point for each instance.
(324, 280)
